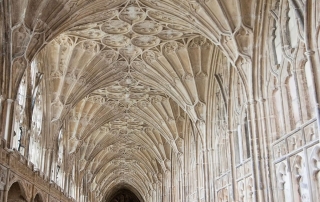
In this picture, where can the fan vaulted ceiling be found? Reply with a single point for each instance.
(125, 77)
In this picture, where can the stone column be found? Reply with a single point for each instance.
(255, 150)
(8, 121)
(174, 177)
(266, 144)
(310, 41)
(166, 186)
(2, 99)
(206, 173)
(66, 184)
(232, 165)
(6, 188)
(50, 167)
(5, 195)
(6, 65)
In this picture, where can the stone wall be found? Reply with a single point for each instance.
(15, 169)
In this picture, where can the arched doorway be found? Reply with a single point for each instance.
(123, 195)
(38, 198)
(16, 194)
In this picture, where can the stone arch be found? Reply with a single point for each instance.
(115, 190)
(315, 171)
(38, 198)
(17, 192)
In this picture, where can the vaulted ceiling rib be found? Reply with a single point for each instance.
(124, 77)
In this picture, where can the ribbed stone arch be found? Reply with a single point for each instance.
(113, 191)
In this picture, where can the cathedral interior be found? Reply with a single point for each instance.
(159, 100)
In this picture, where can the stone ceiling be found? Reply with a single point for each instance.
(125, 76)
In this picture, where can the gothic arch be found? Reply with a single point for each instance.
(113, 191)
(38, 198)
(17, 192)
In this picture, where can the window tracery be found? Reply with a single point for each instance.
(300, 184)
(293, 26)
(60, 159)
(315, 171)
(284, 186)
(20, 118)
(36, 140)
